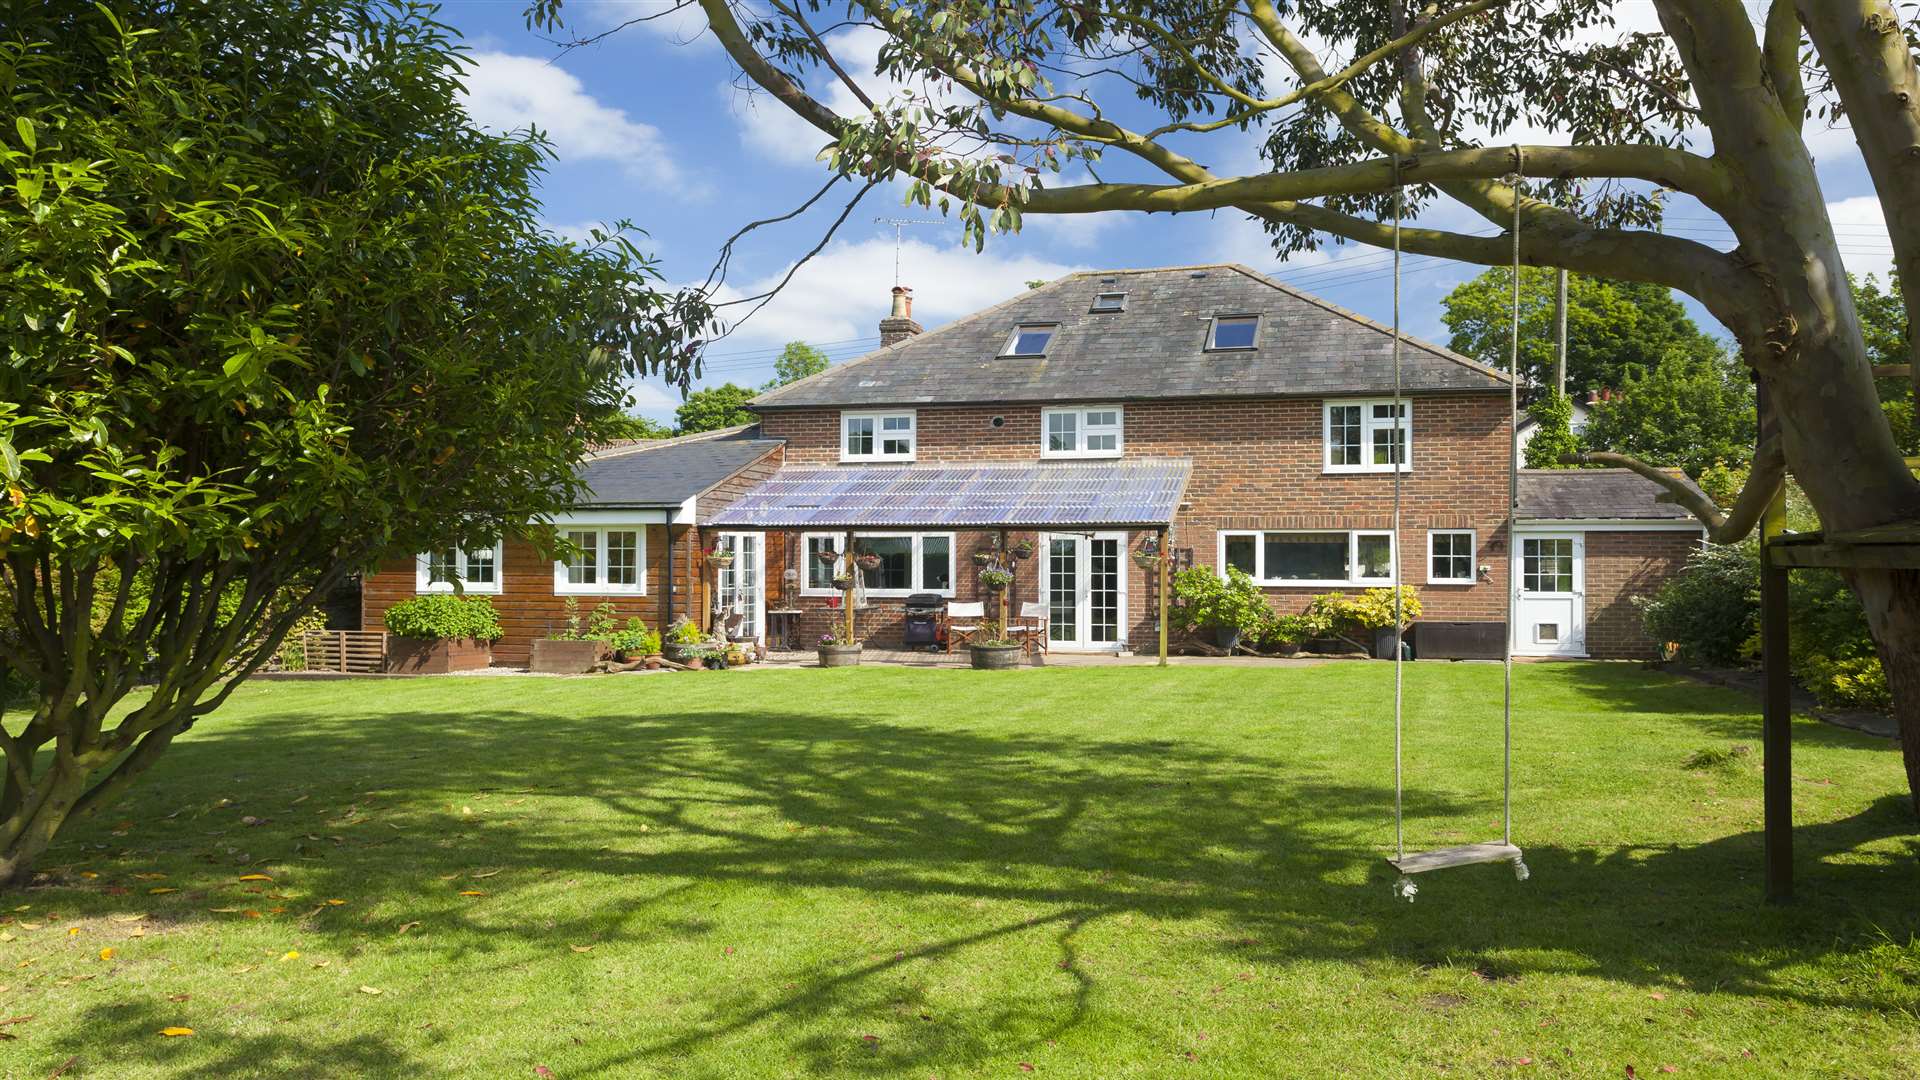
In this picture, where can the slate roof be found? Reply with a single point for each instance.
(668, 472)
(1155, 348)
(1137, 491)
(1593, 494)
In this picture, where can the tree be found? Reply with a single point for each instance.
(1610, 325)
(635, 426)
(1883, 322)
(1554, 438)
(716, 407)
(1691, 413)
(797, 361)
(978, 127)
(275, 309)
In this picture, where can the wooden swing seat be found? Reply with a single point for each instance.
(1420, 862)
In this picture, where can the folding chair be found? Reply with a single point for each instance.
(1032, 626)
(972, 619)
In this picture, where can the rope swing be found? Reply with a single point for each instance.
(1502, 850)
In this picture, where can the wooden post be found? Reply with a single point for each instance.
(1005, 562)
(342, 642)
(1166, 557)
(846, 598)
(1777, 710)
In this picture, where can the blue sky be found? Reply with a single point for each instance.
(650, 125)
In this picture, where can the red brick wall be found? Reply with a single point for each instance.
(1620, 567)
(1256, 465)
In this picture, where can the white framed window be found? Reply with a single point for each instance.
(878, 436)
(1331, 557)
(1359, 436)
(909, 563)
(1030, 339)
(1228, 332)
(610, 561)
(1450, 557)
(452, 569)
(1107, 302)
(1084, 432)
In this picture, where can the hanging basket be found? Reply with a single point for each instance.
(827, 557)
(982, 558)
(721, 559)
(1146, 560)
(868, 561)
(1023, 549)
(843, 582)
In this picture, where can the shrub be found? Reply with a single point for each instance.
(1856, 681)
(635, 640)
(684, 632)
(1355, 618)
(1710, 608)
(1832, 651)
(1207, 601)
(444, 615)
(599, 623)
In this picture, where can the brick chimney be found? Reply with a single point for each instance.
(899, 325)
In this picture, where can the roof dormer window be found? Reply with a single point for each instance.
(1109, 302)
(1030, 339)
(1233, 332)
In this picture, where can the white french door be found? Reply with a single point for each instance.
(743, 586)
(1550, 609)
(1083, 582)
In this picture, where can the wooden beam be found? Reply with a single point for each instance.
(1828, 556)
(1776, 714)
(1166, 557)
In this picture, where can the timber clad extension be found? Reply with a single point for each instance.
(1274, 409)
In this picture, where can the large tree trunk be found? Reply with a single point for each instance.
(1892, 600)
(33, 824)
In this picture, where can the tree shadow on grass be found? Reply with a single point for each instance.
(1081, 829)
(125, 1035)
(1620, 690)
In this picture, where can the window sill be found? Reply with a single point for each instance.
(1456, 582)
(1351, 470)
(1102, 455)
(876, 459)
(1289, 583)
(598, 590)
(448, 590)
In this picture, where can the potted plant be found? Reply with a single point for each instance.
(441, 632)
(683, 641)
(636, 642)
(1365, 621)
(574, 649)
(836, 650)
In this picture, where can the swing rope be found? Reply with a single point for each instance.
(1505, 849)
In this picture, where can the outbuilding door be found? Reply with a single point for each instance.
(1083, 582)
(1550, 613)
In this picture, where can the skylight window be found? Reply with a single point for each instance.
(1233, 332)
(1031, 340)
(1110, 301)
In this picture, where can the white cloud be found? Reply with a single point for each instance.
(1862, 233)
(506, 92)
(653, 400)
(842, 293)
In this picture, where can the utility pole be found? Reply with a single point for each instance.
(1560, 333)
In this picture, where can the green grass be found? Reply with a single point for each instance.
(1096, 872)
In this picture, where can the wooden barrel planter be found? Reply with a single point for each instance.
(996, 657)
(839, 655)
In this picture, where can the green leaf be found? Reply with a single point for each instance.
(9, 459)
(25, 127)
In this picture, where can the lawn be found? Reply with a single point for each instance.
(1064, 872)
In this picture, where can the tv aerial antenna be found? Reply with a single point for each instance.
(899, 227)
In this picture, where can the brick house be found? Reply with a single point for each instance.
(1209, 410)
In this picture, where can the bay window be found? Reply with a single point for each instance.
(1346, 557)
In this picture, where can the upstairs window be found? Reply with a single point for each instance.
(877, 436)
(1109, 302)
(1031, 339)
(1233, 332)
(1081, 433)
(1360, 436)
(607, 561)
(458, 570)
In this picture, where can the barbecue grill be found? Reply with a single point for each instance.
(922, 622)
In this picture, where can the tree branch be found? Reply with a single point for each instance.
(1769, 472)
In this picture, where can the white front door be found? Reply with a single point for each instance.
(1083, 582)
(1550, 613)
(742, 585)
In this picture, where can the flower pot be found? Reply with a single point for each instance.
(1286, 648)
(437, 656)
(554, 657)
(995, 657)
(679, 652)
(839, 655)
(1227, 637)
(1383, 645)
(695, 663)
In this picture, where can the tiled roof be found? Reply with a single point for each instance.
(1141, 491)
(1154, 348)
(1593, 494)
(667, 472)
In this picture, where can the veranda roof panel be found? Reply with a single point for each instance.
(1141, 492)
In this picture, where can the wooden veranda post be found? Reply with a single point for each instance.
(1776, 723)
(1166, 556)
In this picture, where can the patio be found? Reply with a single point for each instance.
(920, 658)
